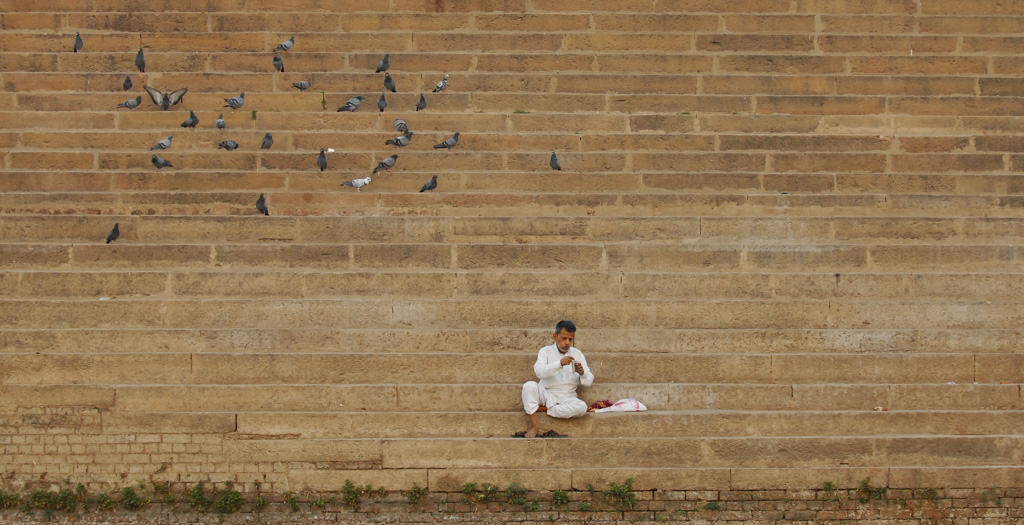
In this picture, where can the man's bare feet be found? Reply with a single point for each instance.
(532, 433)
(542, 408)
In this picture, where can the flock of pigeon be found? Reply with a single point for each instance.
(167, 99)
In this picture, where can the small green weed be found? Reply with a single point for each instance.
(9, 500)
(42, 500)
(621, 495)
(290, 500)
(131, 501)
(869, 492)
(197, 496)
(931, 494)
(488, 492)
(260, 503)
(105, 502)
(712, 505)
(254, 114)
(66, 500)
(320, 503)
(560, 497)
(584, 506)
(516, 493)
(415, 494)
(831, 492)
(229, 500)
(533, 506)
(350, 494)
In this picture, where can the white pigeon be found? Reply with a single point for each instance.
(441, 84)
(357, 183)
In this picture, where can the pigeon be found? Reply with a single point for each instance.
(422, 104)
(383, 65)
(431, 185)
(163, 144)
(352, 104)
(357, 183)
(286, 45)
(386, 164)
(279, 63)
(382, 103)
(268, 141)
(450, 143)
(235, 102)
(401, 141)
(261, 205)
(229, 145)
(78, 42)
(166, 100)
(302, 85)
(220, 123)
(401, 126)
(115, 232)
(131, 103)
(389, 83)
(321, 161)
(140, 61)
(161, 163)
(191, 121)
(127, 84)
(555, 165)
(441, 84)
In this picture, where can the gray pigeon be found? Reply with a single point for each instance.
(357, 183)
(161, 163)
(235, 102)
(441, 84)
(431, 185)
(401, 126)
(286, 45)
(302, 85)
(166, 100)
(401, 141)
(229, 145)
(386, 164)
(140, 61)
(115, 232)
(78, 42)
(268, 141)
(383, 65)
(352, 104)
(422, 104)
(382, 103)
(450, 143)
(389, 83)
(191, 121)
(279, 63)
(163, 144)
(321, 161)
(220, 123)
(261, 205)
(555, 165)
(131, 104)
(127, 84)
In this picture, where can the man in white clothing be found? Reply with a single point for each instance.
(560, 368)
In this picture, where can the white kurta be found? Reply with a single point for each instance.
(557, 387)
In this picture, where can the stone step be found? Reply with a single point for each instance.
(426, 282)
(453, 202)
(653, 424)
(655, 340)
(427, 399)
(577, 257)
(642, 453)
(349, 368)
(663, 232)
(490, 312)
(641, 185)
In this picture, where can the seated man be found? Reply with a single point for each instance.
(560, 368)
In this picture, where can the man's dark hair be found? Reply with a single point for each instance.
(565, 325)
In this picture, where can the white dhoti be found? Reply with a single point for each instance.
(562, 408)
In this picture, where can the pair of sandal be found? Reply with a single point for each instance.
(548, 434)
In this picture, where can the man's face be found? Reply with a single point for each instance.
(564, 340)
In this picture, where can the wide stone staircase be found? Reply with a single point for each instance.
(793, 229)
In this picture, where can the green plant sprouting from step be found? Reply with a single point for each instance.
(416, 493)
(621, 495)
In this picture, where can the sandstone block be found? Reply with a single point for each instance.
(169, 423)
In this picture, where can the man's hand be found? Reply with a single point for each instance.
(579, 368)
(566, 360)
